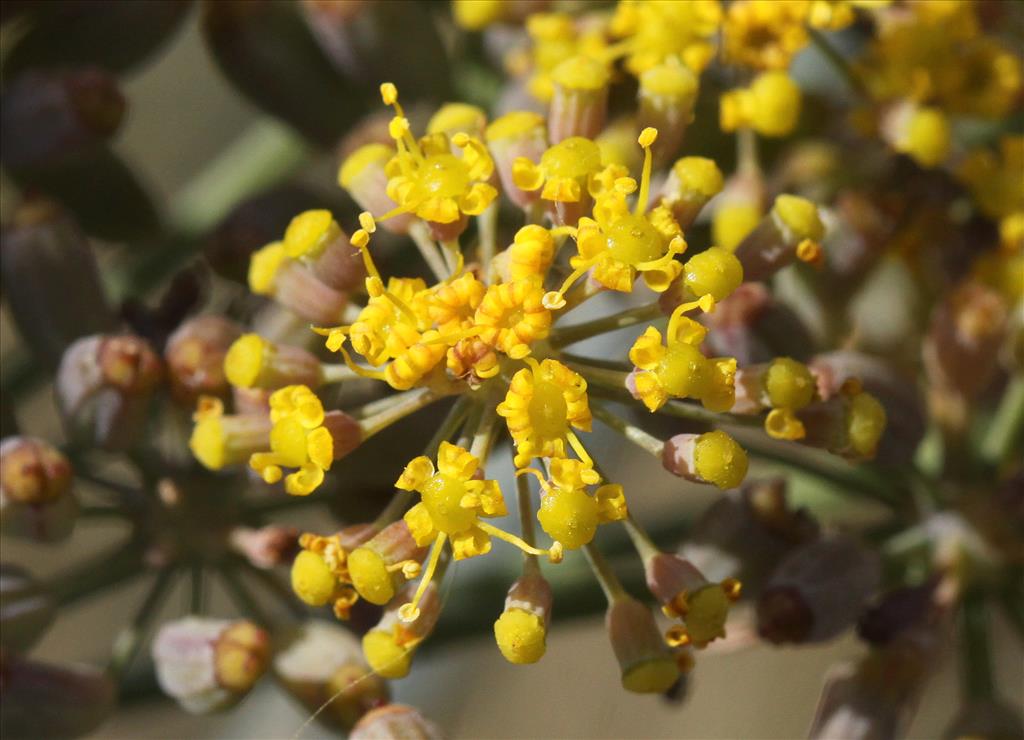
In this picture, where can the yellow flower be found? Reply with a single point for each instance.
(658, 30)
(678, 369)
(568, 513)
(617, 244)
(567, 171)
(511, 317)
(219, 440)
(555, 39)
(770, 106)
(389, 321)
(764, 34)
(425, 178)
(452, 500)
(545, 401)
(298, 439)
(320, 574)
(531, 253)
(451, 305)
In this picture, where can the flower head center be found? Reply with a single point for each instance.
(442, 495)
(631, 239)
(443, 176)
(576, 157)
(548, 410)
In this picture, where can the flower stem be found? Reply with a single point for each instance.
(487, 226)
(401, 406)
(562, 337)
(976, 656)
(420, 234)
(197, 589)
(1005, 429)
(244, 600)
(97, 575)
(130, 639)
(636, 435)
(604, 574)
(337, 373)
(525, 502)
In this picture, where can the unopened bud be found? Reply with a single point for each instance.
(390, 645)
(686, 594)
(221, 440)
(922, 133)
(315, 239)
(745, 533)
(666, 97)
(46, 700)
(209, 664)
(516, 134)
(647, 665)
(458, 118)
(395, 721)
(376, 567)
(195, 357)
(321, 665)
(691, 183)
(267, 546)
(580, 102)
(792, 230)
(817, 591)
(273, 273)
(26, 609)
(896, 612)
(35, 490)
(849, 425)
(713, 458)
(254, 362)
(363, 177)
(739, 209)
(521, 630)
(43, 255)
(770, 105)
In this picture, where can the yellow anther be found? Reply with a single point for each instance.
(367, 222)
(647, 137)
(389, 93)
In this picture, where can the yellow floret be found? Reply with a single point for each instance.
(714, 272)
(788, 384)
(520, 636)
(312, 579)
(245, 360)
(865, 423)
(264, 266)
(370, 576)
(719, 460)
(385, 656)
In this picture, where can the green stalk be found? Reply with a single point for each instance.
(1005, 429)
(976, 655)
(560, 337)
(130, 639)
(609, 582)
(97, 575)
(244, 600)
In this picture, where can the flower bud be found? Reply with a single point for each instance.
(745, 533)
(195, 357)
(691, 183)
(315, 239)
(739, 209)
(321, 665)
(377, 566)
(686, 594)
(713, 458)
(521, 630)
(221, 440)
(961, 347)
(26, 609)
(320, 574)
(267, 546)
(272, 273)
(35, 490)
(922, 133)
(51, 116)
(390, 645)
(43, 252)
(580, 101)
(106, 383)
(770, 106)
(817, 591)
(363, 177)
(395, 721)
(897, 611)
(209, 664)
(647, 665)
(254, 362)
(665, 100)
(455, 118)
(792, 230)
(516, 134)
(849, 425)
(46, 700)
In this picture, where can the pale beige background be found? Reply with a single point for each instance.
(182, 113)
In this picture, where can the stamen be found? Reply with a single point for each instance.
(410, 612)
(706, 303)
(538, 475)
(361, 241)
(646, 139)
(362, 372)
(589, 476)
(555, 299)
(554, 554)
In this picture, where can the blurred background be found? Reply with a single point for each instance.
(181, 129)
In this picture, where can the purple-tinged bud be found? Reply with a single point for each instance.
(49, 116)
(315, 239)
(209, 664)
(195, 357)
(36, 501)
(850, 424)
(691, 183)
(647, 664)
(395, 721)
(897, 611)
(50, 279)
(579, 105)
(897, 393)
(106, 383)
(962, 345)
(254, 362)
(390, 645)
(26, 609)
(792, 230)
(745, 533)
(713, 457)
(46, 700)
(684, 593)
(274, 274)
(266, 547)
(990, 719)
(363, 177)
(817, 591)
(665, 101)
(321, 665)
(516, 134)
(375, 566)
(521, 630)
